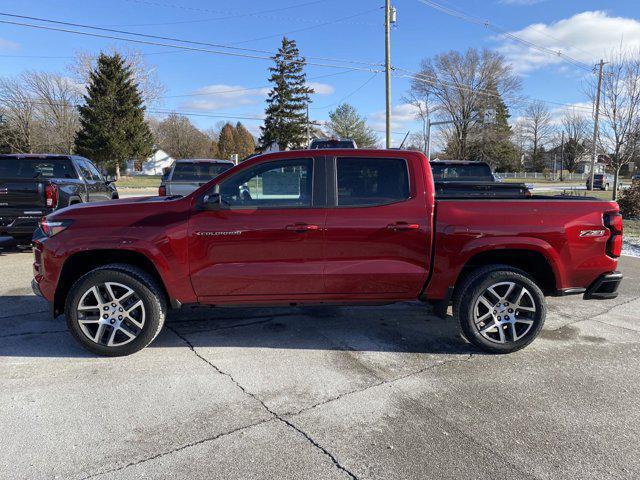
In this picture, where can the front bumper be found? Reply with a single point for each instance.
(604, 287)
(36, 288)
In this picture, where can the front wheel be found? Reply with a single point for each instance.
(115, 310)
(500, 309)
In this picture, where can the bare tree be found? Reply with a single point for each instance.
(462, 85)
(422, 102)
(575, 125)
(19, 113)
(620, 110)
(177, 136)
(538, 128)
(144, 74)
(56, 98)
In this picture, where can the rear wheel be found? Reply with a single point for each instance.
(500, 309)
(115, 310)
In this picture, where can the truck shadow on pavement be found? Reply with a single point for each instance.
(400, 328)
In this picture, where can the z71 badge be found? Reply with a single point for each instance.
(592, 233)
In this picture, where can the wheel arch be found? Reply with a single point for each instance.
(83, 262)
(533, 262)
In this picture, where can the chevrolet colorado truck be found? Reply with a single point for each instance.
(346, 227)
(34, 185)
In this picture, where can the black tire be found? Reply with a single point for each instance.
(477, 283)
(145, 287)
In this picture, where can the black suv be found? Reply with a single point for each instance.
(34, 185)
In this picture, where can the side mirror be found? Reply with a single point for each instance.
(110, 179)
(213, 202)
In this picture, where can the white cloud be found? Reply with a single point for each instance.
(586, 37)
(8, 45)
(219, 96)
(403, 118)
(321, 88)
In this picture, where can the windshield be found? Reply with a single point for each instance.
(462, 172)
(198, 171)
(34, 167)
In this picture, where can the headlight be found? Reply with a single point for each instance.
(51, 228)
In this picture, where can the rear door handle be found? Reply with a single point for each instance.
(302, 227)
(403, 226)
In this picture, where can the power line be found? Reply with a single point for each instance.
(338, 20)
(164, 38)
(432, 81)
(231, 15)
(485, 23)
(366, 82)
(181, 47)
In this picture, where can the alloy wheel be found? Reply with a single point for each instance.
(111, 314)
(504, 312)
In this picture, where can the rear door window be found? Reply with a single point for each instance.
(35, 167)
(371, 181)
(198, 171)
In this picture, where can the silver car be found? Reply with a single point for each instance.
(186, 176)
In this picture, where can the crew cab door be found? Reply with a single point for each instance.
(377, 243)
(97, 187)
(265, 239)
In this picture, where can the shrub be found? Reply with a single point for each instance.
(630, 201)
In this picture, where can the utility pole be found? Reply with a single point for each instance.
(387, 69)
(562, 157)
(594, 158)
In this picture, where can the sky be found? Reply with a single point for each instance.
(213, 87)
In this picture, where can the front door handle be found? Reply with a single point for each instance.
(403, 226)
(302, 227)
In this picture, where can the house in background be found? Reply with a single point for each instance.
(152, 165)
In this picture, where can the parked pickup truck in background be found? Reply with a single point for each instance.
(185, 176)
(459, 179)
(35, 185)
(601, 181)
(324, 227)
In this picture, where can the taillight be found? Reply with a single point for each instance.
(613, 221)
(51, 228)
(162, 191)
(51, 196)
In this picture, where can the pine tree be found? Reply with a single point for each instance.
(285, 124)
(245, 144)
(344, 122)
(112, 124)
(226, 142)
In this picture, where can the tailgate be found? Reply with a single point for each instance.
(19, 194)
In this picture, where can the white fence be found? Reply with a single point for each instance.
(545, 176)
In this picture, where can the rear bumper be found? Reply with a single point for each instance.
(604, 287)
(20, 225)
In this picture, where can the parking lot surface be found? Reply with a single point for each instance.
(370, 392)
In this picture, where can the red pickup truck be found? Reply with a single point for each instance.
(324, 227)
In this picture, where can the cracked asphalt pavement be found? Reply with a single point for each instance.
(313, 393)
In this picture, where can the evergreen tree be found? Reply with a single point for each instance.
(490, 137)
(287, 101)
(244, 141)
(344, 122)
(227, 142)
(112, 124)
